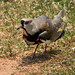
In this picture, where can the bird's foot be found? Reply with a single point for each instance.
(32, 57)
(45, 52)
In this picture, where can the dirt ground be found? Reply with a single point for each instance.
(21, 63)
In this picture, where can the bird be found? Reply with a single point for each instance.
(42, 30)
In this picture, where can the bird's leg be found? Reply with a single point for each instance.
(34, 52)
(45, 49)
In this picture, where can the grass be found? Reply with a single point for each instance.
(11, 41)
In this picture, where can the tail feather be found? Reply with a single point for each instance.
(61, 13)
(59, 18)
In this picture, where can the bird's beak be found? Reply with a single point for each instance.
(19, 27)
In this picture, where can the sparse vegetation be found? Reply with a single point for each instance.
(11, 42)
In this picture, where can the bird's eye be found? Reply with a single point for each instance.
(26, 22)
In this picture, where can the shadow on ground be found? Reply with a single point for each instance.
(39, 58)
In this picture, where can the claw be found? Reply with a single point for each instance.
(32, 57)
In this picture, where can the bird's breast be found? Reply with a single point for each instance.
(31, 38)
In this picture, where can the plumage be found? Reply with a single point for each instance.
(42, 29)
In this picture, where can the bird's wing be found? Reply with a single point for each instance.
(44, 37)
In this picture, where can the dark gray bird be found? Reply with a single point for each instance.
(42, 30)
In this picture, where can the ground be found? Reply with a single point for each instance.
(21, 64)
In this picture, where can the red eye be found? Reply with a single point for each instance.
(26, 22)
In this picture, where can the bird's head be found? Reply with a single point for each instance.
(24, 23)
